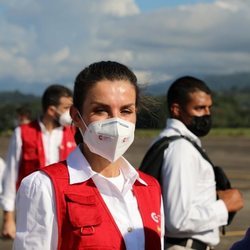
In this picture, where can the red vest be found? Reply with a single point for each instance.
(84, 220)
(33, 157)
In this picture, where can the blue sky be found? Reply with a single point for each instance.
(148, 5)
(44, 42)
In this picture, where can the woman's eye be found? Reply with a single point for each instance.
(99, 110)
(127, 111)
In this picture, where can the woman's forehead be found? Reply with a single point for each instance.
(111, 91)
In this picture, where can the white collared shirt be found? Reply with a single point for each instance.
(36, 219)
(190, 205)
(51, 142)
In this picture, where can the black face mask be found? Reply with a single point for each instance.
(200, 125)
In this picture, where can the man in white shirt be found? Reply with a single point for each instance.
(193, 214)
(34, 145)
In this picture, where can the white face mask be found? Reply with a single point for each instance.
(109, 138)
(65, 119)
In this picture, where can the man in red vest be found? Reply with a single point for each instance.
(41, 142)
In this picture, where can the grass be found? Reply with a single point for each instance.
(142, 133)
(244, 132)
(151, 133)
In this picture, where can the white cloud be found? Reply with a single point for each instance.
(14, 65)
(227, 6)
(55, 58)
(148, 77)
(51, 41)
(118, 8)
(233, 5)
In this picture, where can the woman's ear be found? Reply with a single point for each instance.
(175, 110)
(74, 113)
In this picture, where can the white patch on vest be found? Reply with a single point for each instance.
(155, 217)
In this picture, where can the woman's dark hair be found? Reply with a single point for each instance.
(96, 72)
(179, 91)
(104, 70)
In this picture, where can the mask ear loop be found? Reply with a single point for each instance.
(83, 124)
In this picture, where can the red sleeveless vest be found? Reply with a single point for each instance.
(84, 221)
(32, 156)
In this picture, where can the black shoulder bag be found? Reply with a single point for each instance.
(221, 179)
(153, 160)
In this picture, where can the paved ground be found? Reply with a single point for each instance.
(232, 153)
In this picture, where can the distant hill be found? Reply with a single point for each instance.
(238, 82)
(218, 83)
(36, 87)
(7, 97)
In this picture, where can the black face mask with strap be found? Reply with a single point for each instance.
(200, 125)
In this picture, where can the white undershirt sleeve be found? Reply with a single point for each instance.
(7, 198)
(36, 216)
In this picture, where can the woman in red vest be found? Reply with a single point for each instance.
(95, 199)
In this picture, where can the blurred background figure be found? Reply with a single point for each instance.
(2, 168)
(33, 145)
(242, 244)
(24, 115)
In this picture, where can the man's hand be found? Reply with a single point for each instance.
(9, 225)
(232, 198)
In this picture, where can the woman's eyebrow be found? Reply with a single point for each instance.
(99, 103)
(106, 105)
(128, 105)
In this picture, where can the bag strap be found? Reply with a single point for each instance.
(153, 159)
(202, 152)
(215, 169)
(159, 147)
(156, 151)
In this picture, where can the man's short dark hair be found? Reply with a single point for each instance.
(52, 95)
(181, 88)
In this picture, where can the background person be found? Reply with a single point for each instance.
(2, 169)
(193, 214)
(24, 115)
(36, 144)
(242, 244)
(95, 199)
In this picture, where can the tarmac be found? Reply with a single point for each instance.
(231, 153)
